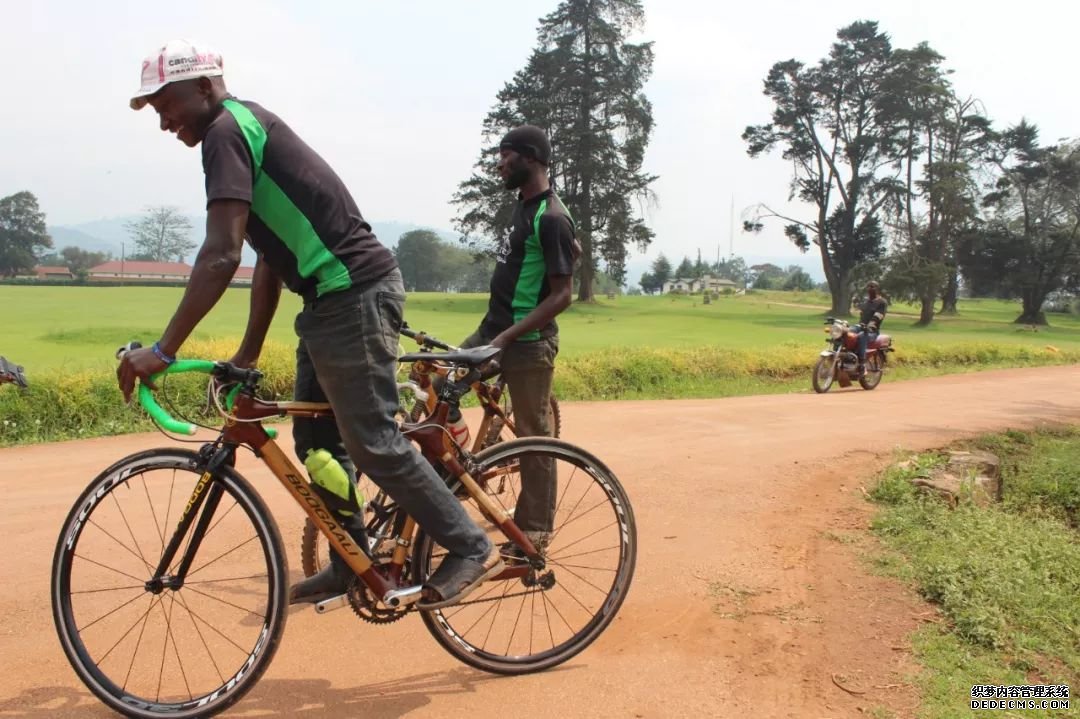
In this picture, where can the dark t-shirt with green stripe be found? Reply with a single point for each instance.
(303, 221)
(540, 245)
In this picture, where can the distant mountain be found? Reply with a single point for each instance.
(110, 235)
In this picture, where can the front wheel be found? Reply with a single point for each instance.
(186, 643)
(874, 369)
(824, 374)
(541, 619)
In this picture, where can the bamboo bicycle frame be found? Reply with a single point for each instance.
(421, 373)
(434, 443)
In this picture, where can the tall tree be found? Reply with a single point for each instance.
(661, 271)
(418, 253)
(766, 276)
(942, 139)
(685, 270)
(1030, 245)
(798, 279)
(79, 261)
(583, 84)
(23, 236)
(734, 269)
(831, 125)
(162, 234)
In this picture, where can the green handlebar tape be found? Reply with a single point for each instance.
(163, 418)
(156, 412)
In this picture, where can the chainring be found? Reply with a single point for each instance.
(363, 602)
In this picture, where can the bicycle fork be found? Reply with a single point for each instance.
(203, 503)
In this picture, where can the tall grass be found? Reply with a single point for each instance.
(85, 403)
(1006, 578)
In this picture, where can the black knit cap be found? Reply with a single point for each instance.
(529, 141)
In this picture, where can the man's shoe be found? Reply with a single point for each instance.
(513, 553)
(331, 581)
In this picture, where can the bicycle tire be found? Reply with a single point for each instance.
(267, 553)
(452, 635)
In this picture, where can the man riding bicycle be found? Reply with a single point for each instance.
(265, 183)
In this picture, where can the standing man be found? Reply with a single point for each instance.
(264, 182)
(871, 315)
(532, 283)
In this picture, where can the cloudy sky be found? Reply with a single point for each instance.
(392, 94)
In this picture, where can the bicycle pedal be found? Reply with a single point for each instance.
(329, 605)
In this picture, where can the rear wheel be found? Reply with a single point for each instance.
(874, 367)
(536, 621)
(151, 646)
(824, 374)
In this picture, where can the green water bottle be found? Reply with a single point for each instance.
(328, 475)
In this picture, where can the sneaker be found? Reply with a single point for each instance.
(539, 538)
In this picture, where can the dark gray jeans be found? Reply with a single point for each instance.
(529, 368)
(348, 356)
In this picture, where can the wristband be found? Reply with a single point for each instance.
(161, 355)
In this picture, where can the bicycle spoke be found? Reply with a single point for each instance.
(161, 671)
(220, 556)
(532, 619)
(108, 589)
(123, 636)
(133, 540)
(112, 611)
(160, 531)
(498, 608)
(217, 631)
(517, 620)
(108, 534)
(601, 503)
(183, 603)
(142, 582)
(569, 483)
(474, 600)
(220, 519)
(480, 618)
(235, 606)
(590, 534)
(570, 594)
(551, 635)
(571, 571)
(552, 557)
(228, 579)
(552, 604)
(582, 566)
(176, 649)
(138, 642)
(168, 511)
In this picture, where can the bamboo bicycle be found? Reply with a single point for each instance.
(496, 426)
(170, 582)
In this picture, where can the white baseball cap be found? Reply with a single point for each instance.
(176, 60)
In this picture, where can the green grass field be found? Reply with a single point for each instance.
(625, 348)
(80, 327)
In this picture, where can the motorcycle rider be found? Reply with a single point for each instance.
(871, 315)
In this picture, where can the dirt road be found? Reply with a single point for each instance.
(744, 602)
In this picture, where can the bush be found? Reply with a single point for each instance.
(62, 405)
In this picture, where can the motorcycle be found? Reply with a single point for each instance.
(840, 363)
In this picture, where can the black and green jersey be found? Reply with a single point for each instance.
(303, 221)
(540, 245)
